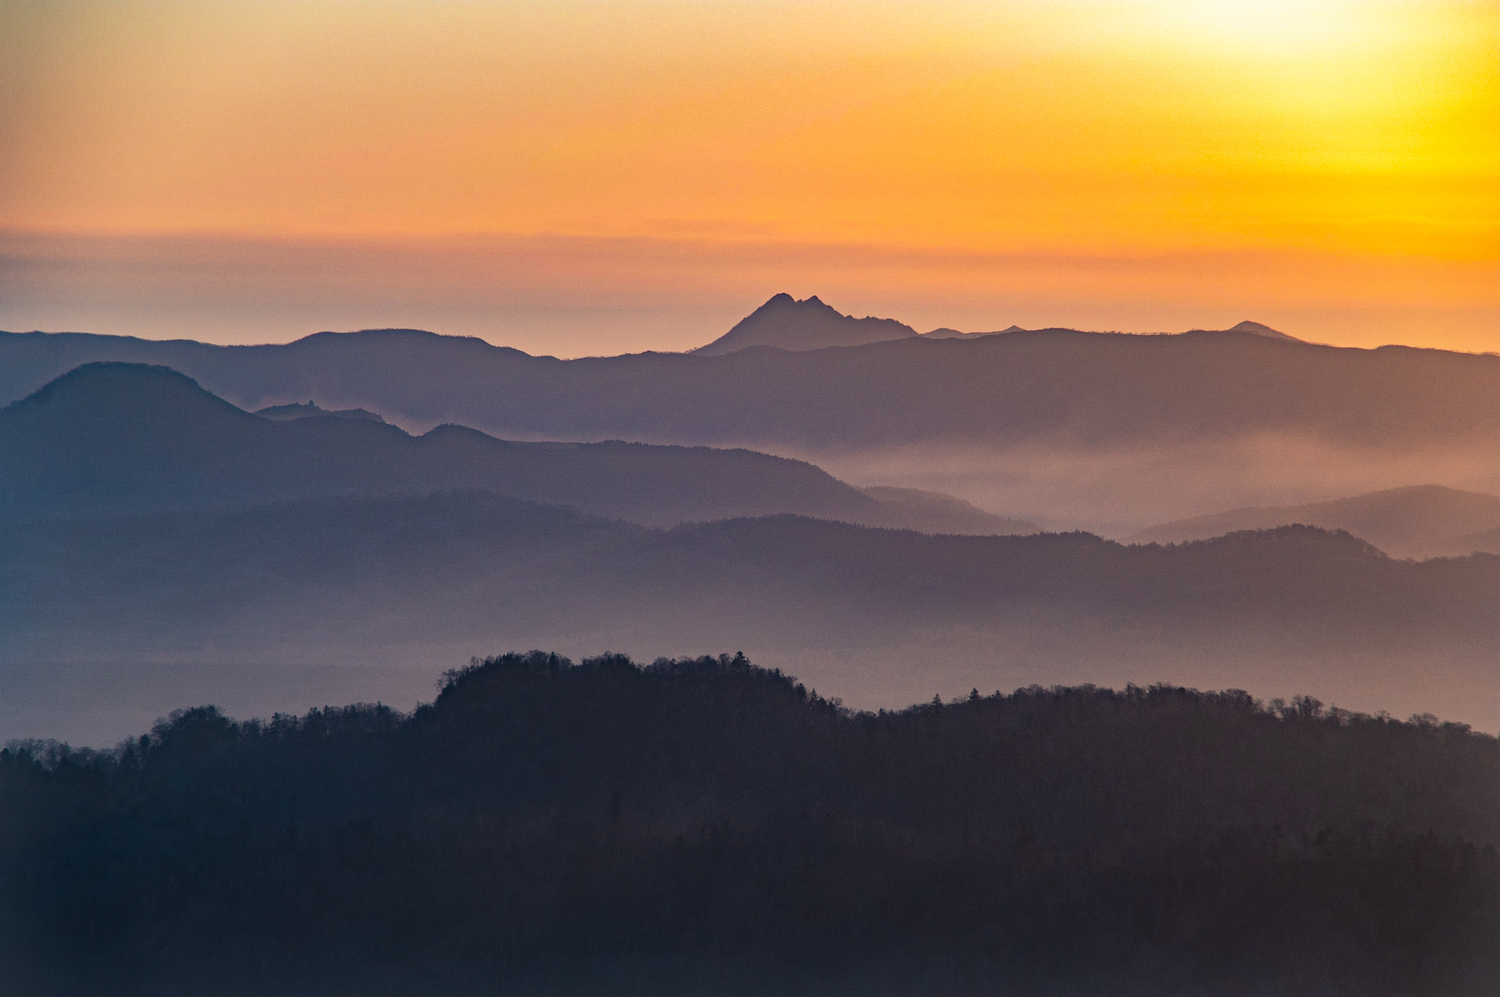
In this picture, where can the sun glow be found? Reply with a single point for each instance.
(1107, 127)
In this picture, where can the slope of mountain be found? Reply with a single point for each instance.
(941, 513)
(1040, 385)
(946, 333)
(1486, 542)
(1417, 521)
(117, 438)
(310, 410)
(1257, 329)
(789, 324)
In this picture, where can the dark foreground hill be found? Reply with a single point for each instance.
(114, 438)
(707, 827)
(876, 616)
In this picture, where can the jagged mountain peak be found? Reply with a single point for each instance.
(809, 324)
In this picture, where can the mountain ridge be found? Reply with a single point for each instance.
(113, 438)
(422, 578)
(1000, 389)
(1412, 521)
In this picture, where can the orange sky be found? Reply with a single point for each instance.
(583, 177)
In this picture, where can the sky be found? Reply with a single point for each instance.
(588, 176)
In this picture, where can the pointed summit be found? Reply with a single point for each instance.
(789, 324)
(1256, 329)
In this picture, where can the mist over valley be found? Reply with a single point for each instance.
(903, 518)
(788, 499)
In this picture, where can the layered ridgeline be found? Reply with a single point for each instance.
(1109, 432)
(453, 561)
(1002, 388)
(116, 438)
(707, 827)
(878, 616)
(1416, 521)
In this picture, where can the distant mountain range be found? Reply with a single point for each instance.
(1416, 521)
(1050, 385)
(1067, 429)
(1248, 327)
(955, 334)
(112, 438)
(149, 515)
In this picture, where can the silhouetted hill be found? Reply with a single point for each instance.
(1046, 386)
(1418, 521)
(705, 826)
(789, 324)
(116, 438)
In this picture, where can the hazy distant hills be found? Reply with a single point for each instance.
(358, 580)
(934, 512)
(789, 324)
(1417, 521)
(1486, 540)
(324, 573)
(443, 557)
(1247, 327)
(946, 333)
(1050, 385)
(117, 438)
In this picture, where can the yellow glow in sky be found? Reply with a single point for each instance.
(1365, 135)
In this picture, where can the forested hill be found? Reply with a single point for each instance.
(114, 438)
(1027, 385)
(704, 826)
